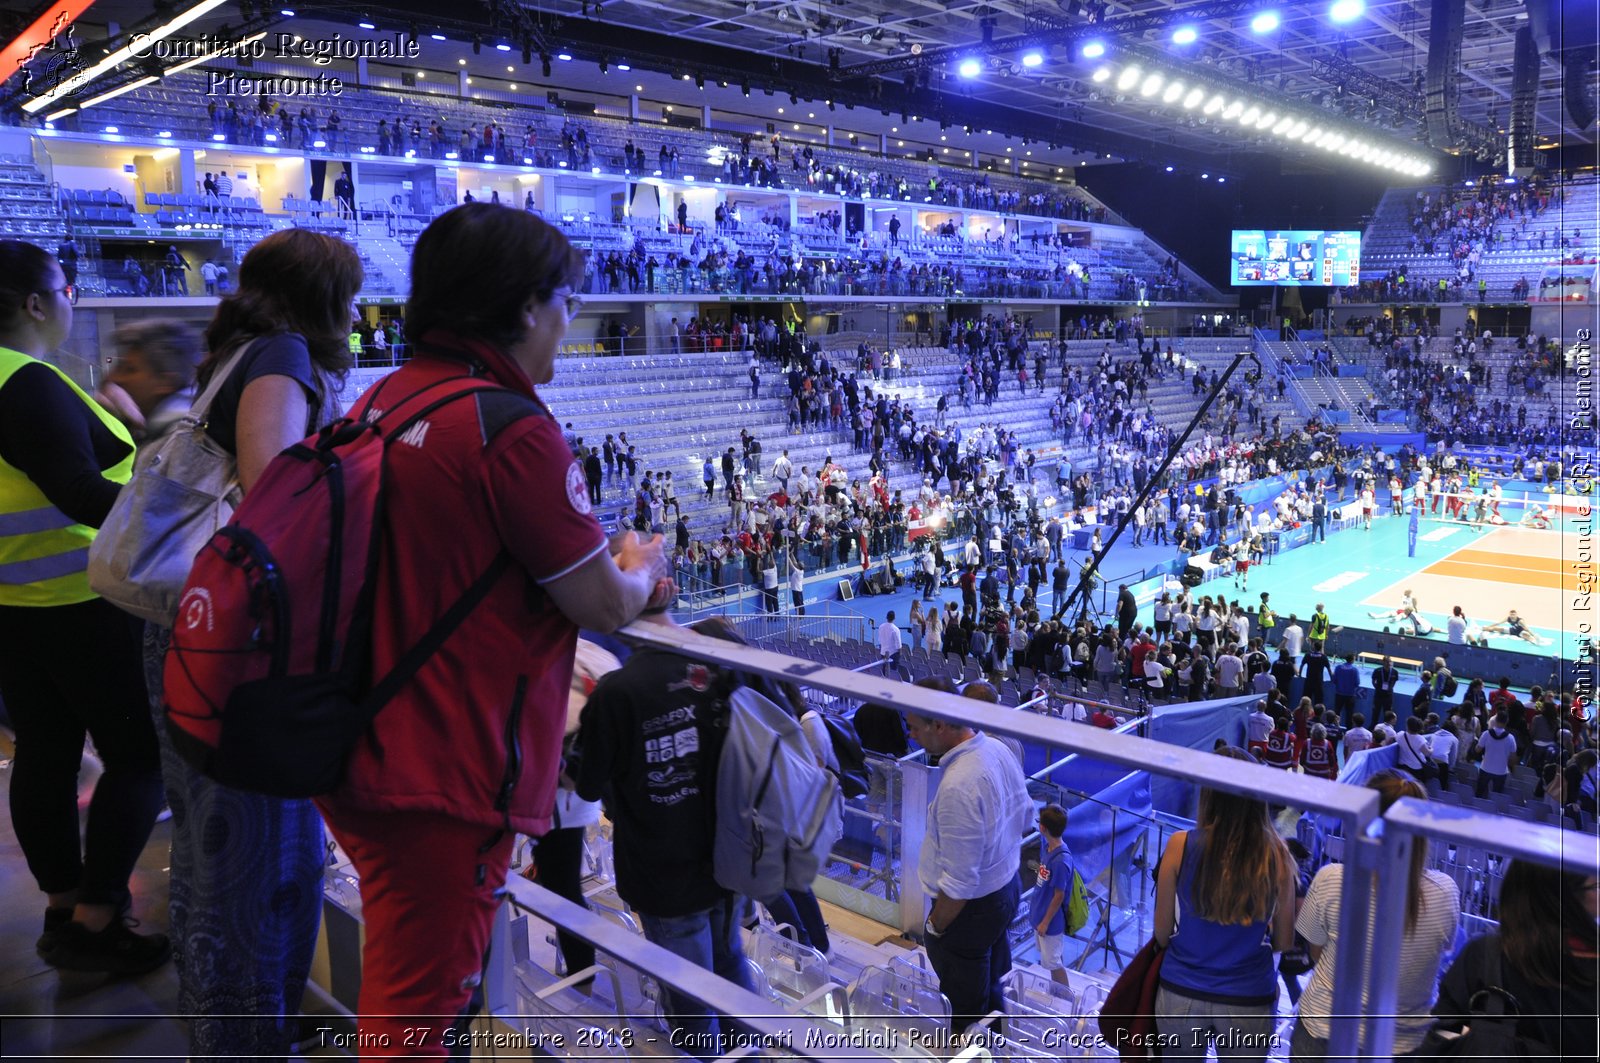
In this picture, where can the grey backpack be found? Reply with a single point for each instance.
(778, 812)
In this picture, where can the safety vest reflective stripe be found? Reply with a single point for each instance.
(44, 554)
(29, 522)
(39, 569)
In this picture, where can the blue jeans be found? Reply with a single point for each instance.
(973, 954)
(709, 938)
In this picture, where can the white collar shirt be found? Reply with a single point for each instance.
(976, 821)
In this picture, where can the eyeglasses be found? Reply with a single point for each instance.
(68, 290)
(572, 304)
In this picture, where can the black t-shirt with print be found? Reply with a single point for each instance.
(648, 746)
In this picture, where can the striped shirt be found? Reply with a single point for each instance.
(1420, 950)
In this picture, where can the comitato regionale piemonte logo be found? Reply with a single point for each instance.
(54, 64)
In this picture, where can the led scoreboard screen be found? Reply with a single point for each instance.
(1296, 258)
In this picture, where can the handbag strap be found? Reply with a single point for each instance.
(201, 408)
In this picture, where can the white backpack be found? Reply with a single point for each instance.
(778, 812)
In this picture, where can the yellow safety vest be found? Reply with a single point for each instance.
(44, 554)
(1319, 626)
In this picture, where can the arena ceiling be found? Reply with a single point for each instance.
(1014, 70)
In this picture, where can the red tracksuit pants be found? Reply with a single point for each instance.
(428, 885)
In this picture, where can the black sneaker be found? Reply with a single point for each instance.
(54, 920)
(114, 950)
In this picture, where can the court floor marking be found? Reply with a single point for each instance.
(1447, 566)
(1532, 579)
(1339, 582)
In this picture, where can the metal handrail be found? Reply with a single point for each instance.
(1354, 807)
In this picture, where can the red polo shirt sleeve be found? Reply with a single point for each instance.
(539, 500)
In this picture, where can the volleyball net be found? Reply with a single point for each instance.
(1527, 510)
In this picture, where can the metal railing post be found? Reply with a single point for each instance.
(1393, 855)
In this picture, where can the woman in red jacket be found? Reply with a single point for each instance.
(467, 755)
(1317, 756)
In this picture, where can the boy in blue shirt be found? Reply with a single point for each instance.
(1047, 907)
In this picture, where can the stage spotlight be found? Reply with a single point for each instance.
(969, 68)
(1169, 169)
(1265, 22)
(1185, 35)
(1194, 99)
(1103, 74)
(1174, 90)
(1129, 78)
(1094, 50)
(1032, 59)
(1346, 10)
(1152, 85)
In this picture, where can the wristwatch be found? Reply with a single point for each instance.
(928, 928)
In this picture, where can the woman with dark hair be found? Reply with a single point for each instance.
(246, 893)
(494, 505)
(1433, 906)
(1225, 896)
(62, 461)
(1544, 958)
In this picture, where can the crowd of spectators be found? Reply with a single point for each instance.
(1458, 396)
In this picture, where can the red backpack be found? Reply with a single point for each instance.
(266, 682)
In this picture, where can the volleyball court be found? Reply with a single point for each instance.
(1535, 555)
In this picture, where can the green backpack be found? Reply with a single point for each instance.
(1077, 904)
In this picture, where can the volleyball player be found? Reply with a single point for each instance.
(1406, 613)
(1480, 511)
(1366, 508)
(1394, 495)
(1514, 626)
(1535, 518)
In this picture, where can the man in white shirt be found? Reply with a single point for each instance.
(1357, 738)
(971, 554)
(969, 862)
(1444, 747)
(797, 583)
(782, 469)
(1294, 637)
(1499, 748)
(889, 644)
(1230, 672)
(1258, 725)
